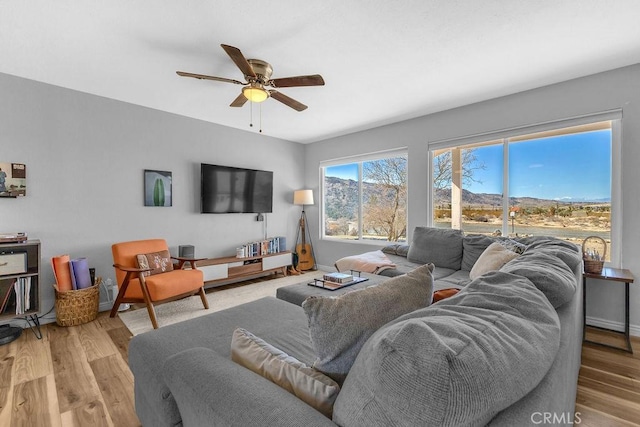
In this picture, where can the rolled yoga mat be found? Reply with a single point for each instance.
(60, 265)
(81, 273)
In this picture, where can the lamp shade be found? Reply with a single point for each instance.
(303, 197)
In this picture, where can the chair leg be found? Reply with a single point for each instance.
(116, 304)
(203, 297)
(147, 300)
(152, 314)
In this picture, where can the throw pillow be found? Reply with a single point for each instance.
(307, 384)
(339, 326)
(159, 262)
(494, 257)
(442, 247)
(548, 273)
(458, 362)
(444, 293)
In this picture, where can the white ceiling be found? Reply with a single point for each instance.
(383, 60)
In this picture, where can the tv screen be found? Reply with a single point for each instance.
(226, 189)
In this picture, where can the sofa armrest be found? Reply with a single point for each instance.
(211, 389)
(396, 249)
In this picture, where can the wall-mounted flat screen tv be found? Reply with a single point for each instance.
(226, 189)
(13, 180)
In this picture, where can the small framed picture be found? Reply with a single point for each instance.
(157, 188)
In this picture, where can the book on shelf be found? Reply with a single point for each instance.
(259, 248)
(22, 288)
(339, 278)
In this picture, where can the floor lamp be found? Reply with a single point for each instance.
(304, 249)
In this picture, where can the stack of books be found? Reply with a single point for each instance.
(269, 246)
(337, 278)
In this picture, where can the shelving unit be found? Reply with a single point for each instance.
(12, 304)
(218, 271)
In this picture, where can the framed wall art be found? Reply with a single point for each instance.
(13, 180)
(157, 188)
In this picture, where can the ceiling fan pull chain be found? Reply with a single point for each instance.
(260, 107)
(251, 114)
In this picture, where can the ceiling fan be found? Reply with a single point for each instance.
(257, 74)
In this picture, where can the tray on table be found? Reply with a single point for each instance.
(332, 286)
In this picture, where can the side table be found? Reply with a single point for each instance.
(614, 275)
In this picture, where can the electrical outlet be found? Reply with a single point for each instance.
(260, 217)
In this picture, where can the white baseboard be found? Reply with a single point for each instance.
(616, 326)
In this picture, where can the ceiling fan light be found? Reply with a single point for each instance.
(255, 94)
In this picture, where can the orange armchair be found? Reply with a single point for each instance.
(145, 274)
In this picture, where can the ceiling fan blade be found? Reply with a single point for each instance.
(290, 102)
(312, 80)
(204, 77)
(239, 101)
(238, 58)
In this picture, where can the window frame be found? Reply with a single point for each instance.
(518, 133)
(359, 159)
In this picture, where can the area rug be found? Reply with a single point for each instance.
(137, 321)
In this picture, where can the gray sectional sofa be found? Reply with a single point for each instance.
(454, 255)
(505, 350)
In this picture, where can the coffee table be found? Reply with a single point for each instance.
(296, 294)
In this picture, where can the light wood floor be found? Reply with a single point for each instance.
(78, 376)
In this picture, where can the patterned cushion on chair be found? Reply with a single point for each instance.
(159, 262)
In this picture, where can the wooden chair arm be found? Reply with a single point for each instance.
(131, 269)
(182, 261)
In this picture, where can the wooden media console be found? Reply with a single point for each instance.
(221, 271)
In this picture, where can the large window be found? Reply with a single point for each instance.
(557, 182)
(366, 198)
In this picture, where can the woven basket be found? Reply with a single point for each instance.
(77, 307)
(594, 252)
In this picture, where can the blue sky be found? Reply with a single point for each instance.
(570, 166)
(565, 167)
(349, 171)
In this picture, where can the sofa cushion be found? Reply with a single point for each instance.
(442, 247)
(267, 318)
(548, 273)
(458, 279)
(457, 362)
(472, 247)
(159, 262)
(306, 383)
(568, 252)
(494, 257)
(339, 326)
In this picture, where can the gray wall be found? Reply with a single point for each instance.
(85, 157)
(615, 89)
